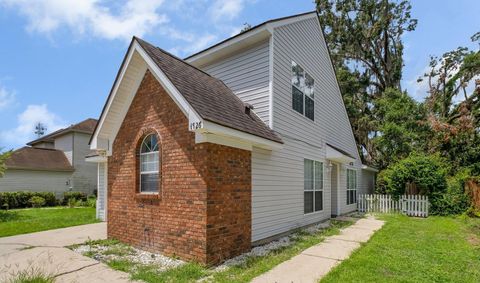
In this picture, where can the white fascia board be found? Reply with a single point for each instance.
(96, 159)
(247, 39)
(288, 21)
(94, 144)
(241, 137)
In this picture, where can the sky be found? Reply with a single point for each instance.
(59, 58)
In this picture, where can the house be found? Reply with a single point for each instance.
(231, 147)
(53, 163)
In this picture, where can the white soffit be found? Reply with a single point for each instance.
(335, 155)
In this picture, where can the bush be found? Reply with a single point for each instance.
(37, 201)
(454, 200)
(91, 202)
(77, 196)
(428, 173)
(13, 200)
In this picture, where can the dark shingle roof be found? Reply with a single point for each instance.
(38, 159)
(209, 96)
(86, 126)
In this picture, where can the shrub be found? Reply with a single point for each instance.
(428, 173)
(73, 202)
(78, 196)
(91, 202)
(13, 200)
(454, 200)
(36, 201)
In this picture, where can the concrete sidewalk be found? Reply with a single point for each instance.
(45, 251)
(315, 262)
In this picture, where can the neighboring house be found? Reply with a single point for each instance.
(53, 163)
(231, 147)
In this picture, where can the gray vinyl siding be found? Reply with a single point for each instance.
(84, 178)
(247, 75)
(277, 176)
(35, 181)
(65, 144)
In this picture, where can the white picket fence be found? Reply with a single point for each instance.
(411, 205)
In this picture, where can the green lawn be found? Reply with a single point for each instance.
(21, 221)
(406, 249)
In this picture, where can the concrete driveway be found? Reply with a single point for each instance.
(45, 251)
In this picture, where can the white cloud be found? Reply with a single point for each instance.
(195, 43)
(26, 121)
(6, 97)
(134, 17)
(226, 9)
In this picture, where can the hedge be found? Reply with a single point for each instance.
(12, 200)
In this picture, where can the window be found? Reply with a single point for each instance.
(313, 186)
(302, 92)
(149, 165)
(351, 186)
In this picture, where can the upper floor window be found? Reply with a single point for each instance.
(351, 186)
(313, 186)
(302, 91)
(149, 164)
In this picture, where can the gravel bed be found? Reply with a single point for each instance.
(263, 250)
(105, 254)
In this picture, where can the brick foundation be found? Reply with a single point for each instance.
(203, 210)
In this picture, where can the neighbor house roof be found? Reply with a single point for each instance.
(86, 126)
(209, 96)
(32, 158)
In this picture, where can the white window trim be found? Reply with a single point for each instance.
(149, 172)
(314, 190)
(356, 186)
(303, 93)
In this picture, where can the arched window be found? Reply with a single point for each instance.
(149, 164)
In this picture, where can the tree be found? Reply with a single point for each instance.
(453, 105)
(402, 128)
(364, 37)
(3, 158)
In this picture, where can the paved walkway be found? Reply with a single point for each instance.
(45, 251)
(315, 262)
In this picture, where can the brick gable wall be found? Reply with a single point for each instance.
(203, 211)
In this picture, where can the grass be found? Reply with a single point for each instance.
(254, 266)
(407, 249)
(21, 221)
(32, 275)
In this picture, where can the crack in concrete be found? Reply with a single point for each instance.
(75, 270)
(326, 257)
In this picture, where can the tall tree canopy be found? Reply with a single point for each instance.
(364, 37)
(453, 105)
